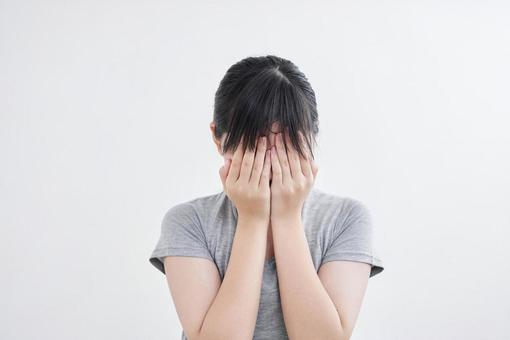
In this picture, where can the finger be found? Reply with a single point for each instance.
(305, 162)
(283, 160)
(235, 166)
(259, 161)
(247, 165)
(275, 166)
(295, 164)
(305, 166)
(264, 177)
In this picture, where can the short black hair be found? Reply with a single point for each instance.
(258, 91)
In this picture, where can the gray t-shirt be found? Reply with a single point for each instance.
(336, 228)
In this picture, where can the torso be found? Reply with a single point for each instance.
(206, 227)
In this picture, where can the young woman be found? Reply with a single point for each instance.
(270, 256)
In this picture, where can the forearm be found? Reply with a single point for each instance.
(233, 313)
(309, 312)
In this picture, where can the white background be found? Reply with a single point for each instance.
(104, 115)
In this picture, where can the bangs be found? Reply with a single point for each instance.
(268, 96)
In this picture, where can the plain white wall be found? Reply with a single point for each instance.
(104, 120)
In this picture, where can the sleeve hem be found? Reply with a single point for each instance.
(377, 265)
(158, 255)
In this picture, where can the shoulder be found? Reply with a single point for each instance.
(342, 204)
(193, 210)
(341, 208)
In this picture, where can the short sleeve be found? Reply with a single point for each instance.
(181, 235)
(352, 238)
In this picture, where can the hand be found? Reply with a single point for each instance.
(246, 181)
(293, 178)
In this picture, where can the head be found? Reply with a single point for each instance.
(261, 96)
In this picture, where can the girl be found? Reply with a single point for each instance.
(270, 256)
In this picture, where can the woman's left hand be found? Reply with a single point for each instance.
(293, 178)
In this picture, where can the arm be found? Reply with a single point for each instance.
(215, 311)
(308, 310)
(323, 306)
(234, 305)
(346, 283)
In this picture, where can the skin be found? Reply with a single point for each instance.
(227, 157)
(315, 305)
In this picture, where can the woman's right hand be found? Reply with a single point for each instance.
(246, 181)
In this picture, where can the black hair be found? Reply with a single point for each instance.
(258, 91)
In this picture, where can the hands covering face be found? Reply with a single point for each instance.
(246, 179)
(293, 178)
